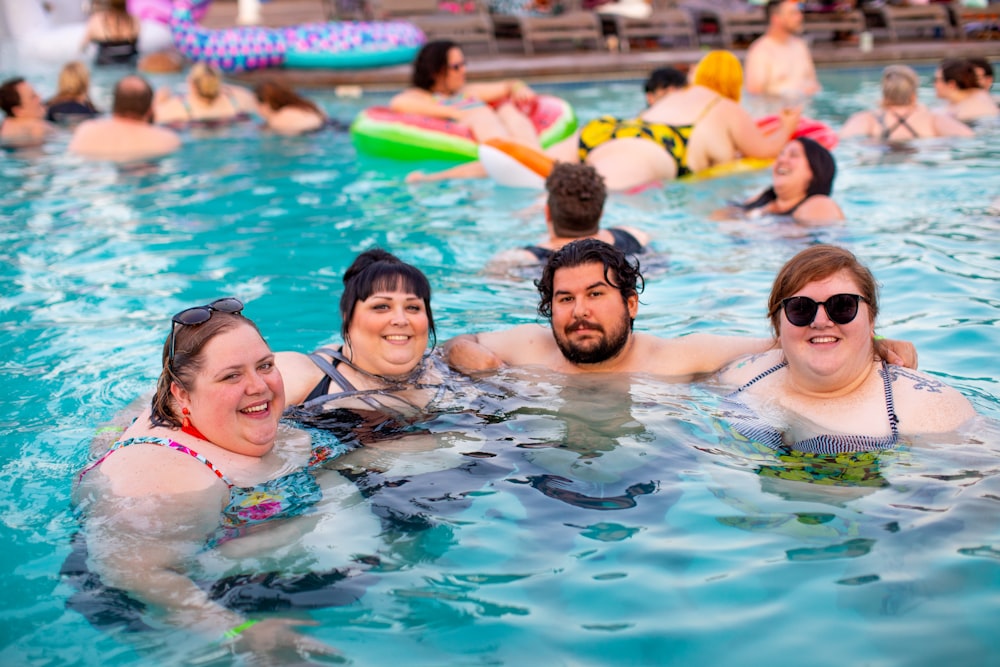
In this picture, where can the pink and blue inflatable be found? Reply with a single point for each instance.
(335, 45)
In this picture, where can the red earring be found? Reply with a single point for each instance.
(187, 420)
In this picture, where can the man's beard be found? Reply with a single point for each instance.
(595, 352)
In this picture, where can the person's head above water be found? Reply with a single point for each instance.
(822, 165)
(661, 81)
(722, 72)
(899, 85)
(376, 271)
(133, 98)
(576, 196)
(184, 355)
(432, 63)
(206, 81)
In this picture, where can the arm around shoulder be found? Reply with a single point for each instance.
(466, 354)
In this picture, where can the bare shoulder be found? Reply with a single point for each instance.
(925, 404)
(144, 468)
(740, 371)
(522, 345)
(818, 209)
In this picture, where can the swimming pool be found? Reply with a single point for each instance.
(590, 521)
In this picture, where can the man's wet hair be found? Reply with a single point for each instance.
(576, 196)
(620, 271)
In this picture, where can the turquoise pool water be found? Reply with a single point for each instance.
(586, 522)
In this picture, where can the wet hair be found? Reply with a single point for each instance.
(277, 96)
(431, 61)
(821, 164)
(620, 272)
(981, 63)
(133, 98)
(188, 361)
(207, 80)
(376, 270)
(961, 72)
(118, 6)
(576, 199)
(74, 80)
(9, 95)
(722, 72)
(899, 85)
(663, 78)
(819, 262)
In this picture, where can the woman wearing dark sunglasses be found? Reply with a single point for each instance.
(207, 465)
(828, 389)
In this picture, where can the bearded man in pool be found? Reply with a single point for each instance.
(589, 292)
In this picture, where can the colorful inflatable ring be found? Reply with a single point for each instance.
(381, 131)
(337, 45)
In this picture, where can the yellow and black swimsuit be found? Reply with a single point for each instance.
(673, 138)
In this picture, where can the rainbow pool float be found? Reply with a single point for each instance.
(335, 45)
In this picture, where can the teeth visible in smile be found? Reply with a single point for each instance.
(782, 170)
(823, 339)
(256, 408)
(397, 337)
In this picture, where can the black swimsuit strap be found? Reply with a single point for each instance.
(900, 122)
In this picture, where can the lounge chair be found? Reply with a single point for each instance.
(463, 28)
(891, 20)
(665, 21)
(833, 23)
(573, 24)
(741, 22)
(976, 21)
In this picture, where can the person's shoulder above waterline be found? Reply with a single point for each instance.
(117, 140)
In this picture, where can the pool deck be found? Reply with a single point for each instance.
(566, 64)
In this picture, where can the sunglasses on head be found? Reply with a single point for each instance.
(191, 317)
(800, 311)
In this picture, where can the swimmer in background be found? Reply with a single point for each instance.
(24, 121)
(957, 83)
(286, 112)
(71, 103)
(778, 64)
(440, 90)
(802, 182)
(208, 100)
(900, 116)
(115, 32)
(128, 134)
(575, 202)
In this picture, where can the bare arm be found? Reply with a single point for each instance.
(299, 374)
(751, 141)
(498, 90)
(756, 70)
(703, 353)
(858, 125)
(818, 209)
(423, 103)
(948, 126)
(466, 354)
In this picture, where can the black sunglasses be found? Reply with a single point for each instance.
(199, 315)
(840, 308)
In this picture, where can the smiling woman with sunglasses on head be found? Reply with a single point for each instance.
(206, 465)
(828, 389)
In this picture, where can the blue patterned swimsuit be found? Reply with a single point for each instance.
(750, 425)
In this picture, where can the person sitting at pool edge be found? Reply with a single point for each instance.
(802, 182)
(900, 117)
(24, 121)
(440, 90)
(830, 372)
(576, 197)
(128, 134)
(589, 293)
(206, 461)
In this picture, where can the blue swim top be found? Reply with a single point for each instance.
(750, 425)
(286, 496)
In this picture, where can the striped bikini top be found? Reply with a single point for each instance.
(750, 425)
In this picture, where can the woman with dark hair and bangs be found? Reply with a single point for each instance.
(386, 327)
